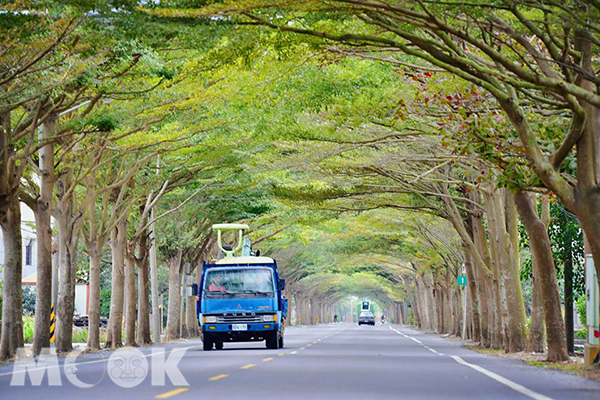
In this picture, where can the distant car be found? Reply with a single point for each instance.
(366, 318)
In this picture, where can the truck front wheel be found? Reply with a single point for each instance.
(207, 343)
(272, 341)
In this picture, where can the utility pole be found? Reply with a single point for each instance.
(156, 320)
(592, 297)
(465, 293)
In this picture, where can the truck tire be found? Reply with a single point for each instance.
(207, 343)
(272, 341)
(219, 345)
(281, 341)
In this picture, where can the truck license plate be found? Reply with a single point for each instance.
(239, 327)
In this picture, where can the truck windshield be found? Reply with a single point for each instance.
(242, 282)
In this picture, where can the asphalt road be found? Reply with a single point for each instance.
(339, 361)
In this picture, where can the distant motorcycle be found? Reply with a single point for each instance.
(383, 319)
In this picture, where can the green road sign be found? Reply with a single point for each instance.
(462, 280)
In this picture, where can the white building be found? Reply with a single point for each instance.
(29, 239)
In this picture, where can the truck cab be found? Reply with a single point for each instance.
(240, 297)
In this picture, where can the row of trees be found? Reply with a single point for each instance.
(374, 147)
(533, 61)
(102, 130)
(497, 107)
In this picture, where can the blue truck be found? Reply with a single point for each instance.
(240, 297)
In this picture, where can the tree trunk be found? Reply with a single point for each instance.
(94, 244)
(300, 309)
(458, 312)
(130, 300)
(422, 304)
(306, 312)
(486, 299)
(590, 222)
(536, 329)
(474, 288)
(452, 313)
(93, 342)
(12, 305)
(517, 324)
(156, 320)
(499, 307)
(427, 302)
(587, 194)
(428, 291)
(314, 310)
(67, 249)
(300, 318)
(118, 240)
(412, 299)
(174, 298)
(43, 212)
(488, 315)
(191, 320)
(536, 335)
(438, 296)
(144, 336)
(140, 246)
(541, 246)
(470, 325)
(182, 321)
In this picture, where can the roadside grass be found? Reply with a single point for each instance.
(570, 367)
(482, 350)
(28, 325)
(79, 335)
(574, 367)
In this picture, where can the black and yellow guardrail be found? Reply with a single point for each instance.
(52, 324)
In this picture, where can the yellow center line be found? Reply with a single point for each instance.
(302, 348)
(217, 377)
(281, 354)
(308, 345)
(267, 359)
(172, 393)
(248, 366)
(294, 352)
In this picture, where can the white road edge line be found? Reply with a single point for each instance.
(434, 351)
(514, 386)
(92, 362)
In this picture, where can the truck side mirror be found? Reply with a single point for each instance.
(194, 289)
(285, 307)
(281, 284)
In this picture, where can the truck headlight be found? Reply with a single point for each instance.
(210, 319)
(269, 318)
